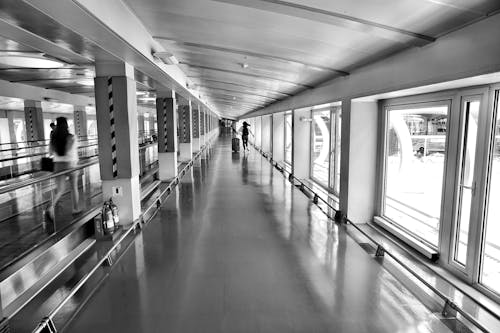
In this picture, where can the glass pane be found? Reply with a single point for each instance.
(468, 157)
(416, 151)
(288, 138)
(320, 146)
(490, 275)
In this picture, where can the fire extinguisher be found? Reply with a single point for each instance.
(114, 212)
(108, 223)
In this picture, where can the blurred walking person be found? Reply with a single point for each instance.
(63, 147)
(245, 131)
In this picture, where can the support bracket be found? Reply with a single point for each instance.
(380, 251)
(47, 326)
(315, 199)
(108, 262)
(449, 309)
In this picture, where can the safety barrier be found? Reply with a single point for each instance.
(450, 307)
(47, 324)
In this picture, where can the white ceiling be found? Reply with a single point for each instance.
(290, 46)
(243, 55)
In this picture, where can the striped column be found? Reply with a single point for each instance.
(33, 117)
(185, 131)
(196, 128)
(80, 118)
(116, 111)
(166, 114)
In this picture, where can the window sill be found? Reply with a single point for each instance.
(412, 241)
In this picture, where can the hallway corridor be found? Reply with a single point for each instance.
(236, 249)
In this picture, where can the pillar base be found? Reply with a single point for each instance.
(186, 150)
(126, 194)
(167, 166)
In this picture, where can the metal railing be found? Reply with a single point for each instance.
(450, 307)
(47, 323)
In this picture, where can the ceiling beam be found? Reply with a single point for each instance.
(201, 78)
(209, 88)
(336, 19)
(454, 5)
(252, 54)
(244, 74)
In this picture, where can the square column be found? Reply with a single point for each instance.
(301, 155)
(358, 166)
(116, 110)
(279, 137)
(80, 116)
(196, 128)
(34, 120)
(185, 132)
(140, 128)
(258, 131)
(166, 114)
(203, 139)
(266, 133)
(12, 130)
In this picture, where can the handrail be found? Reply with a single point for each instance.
(80, 138)
(29, 182)
(450, 306)
(47, 322)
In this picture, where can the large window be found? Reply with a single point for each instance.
(414, 164)
(320, 146)
(288, 137)
(490, 270)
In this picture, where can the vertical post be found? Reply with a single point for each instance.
(196, 128)
(166, 115)
(185, 130)
(116, 110)
(80, 116)
(34, 120)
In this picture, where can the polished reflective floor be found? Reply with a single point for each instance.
(236, 249)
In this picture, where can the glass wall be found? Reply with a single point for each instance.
(320, 146)
(414, 162)
(288, 137)
(490, 268)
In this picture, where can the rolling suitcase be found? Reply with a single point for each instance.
(236, 145)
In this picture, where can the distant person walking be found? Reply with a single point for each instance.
(52, 128)
(63, 147)
(245, 131)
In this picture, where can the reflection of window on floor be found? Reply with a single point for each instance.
(490, 275)
(288, 138)
(415, 156)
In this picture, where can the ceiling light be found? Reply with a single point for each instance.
(87, 82)
(166, 57)
(31, 60)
